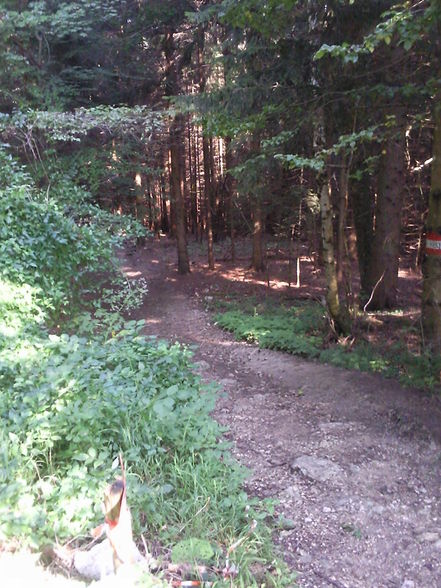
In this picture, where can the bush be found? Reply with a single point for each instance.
(71, 402)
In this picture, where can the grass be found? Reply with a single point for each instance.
(302, 329)
(79, 386)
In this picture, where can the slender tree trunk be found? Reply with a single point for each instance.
(362, 201)
(431, 299)
(192, 174)
(165, 225)
(229, 191)
(207, 155)
(141, 210)
(177, 196)
(341, 225)
(172, 225)
(208, 199)
(337, 311)
(385, 252)
(200, 204)
(177, 203)
(258, 260)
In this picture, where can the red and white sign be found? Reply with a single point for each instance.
(433, 244)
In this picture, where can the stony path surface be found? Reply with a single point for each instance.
(354, 460)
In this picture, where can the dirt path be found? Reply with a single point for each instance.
(354, 460)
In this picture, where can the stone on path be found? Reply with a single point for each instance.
(318, 469)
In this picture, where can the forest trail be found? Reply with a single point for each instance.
(353, 459)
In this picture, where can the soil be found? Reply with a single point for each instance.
(354, 460)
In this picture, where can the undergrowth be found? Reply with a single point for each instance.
(302, 330)
(80, 384)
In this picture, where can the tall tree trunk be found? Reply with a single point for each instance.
(362, 201)
(258, 260)
(165, 225)
(341, 224)
(177, 202)
(257, 217)
(431, 299)
(177, 196)
(199, 182)
(384, 258)
(192, 173)
(337, 311)
(229, 194)
(208, 193)
(207, 155)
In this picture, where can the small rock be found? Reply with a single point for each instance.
(429, 537)
(327, 509)
(96, 563)
(408, 584)
(438, 544)
(305, 558)
(318, 469)
(378, 509)
(227, 382)
(287, 524)
(292, 492)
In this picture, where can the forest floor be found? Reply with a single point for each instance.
(352, 459)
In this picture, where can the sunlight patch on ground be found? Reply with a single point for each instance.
(153, 321)
(133, 274)
(408, 274)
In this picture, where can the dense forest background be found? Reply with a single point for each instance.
(308, 121)
(310, 129)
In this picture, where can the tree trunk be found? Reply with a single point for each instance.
(338, 313)
(362, 201)
(165, 225)
(384, 258)
(177, 196)
(341, 224)
(177, 203)
(431, 299)
(208, 193)
(258, 260)
(192, 173)
(229, 194)
(207, 155)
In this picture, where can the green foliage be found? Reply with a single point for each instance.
(345, 144)
(53, 241)
(403, 24)
(301, 330)
(71, 402)
(139, 121)
(192, 549)
(295, 330)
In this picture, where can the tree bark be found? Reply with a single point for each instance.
(337, 311)
(207, 155)
(258, 261)
(229, 194)
(384, 256)
(177, 202)
(177, 196)
(362, 201)
(431, 298)
(208, 193)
